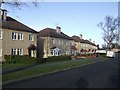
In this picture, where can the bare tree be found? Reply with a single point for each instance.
(17, 3)
(110, 30)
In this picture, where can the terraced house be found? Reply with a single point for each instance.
(53, 42)
(16, 38)
(84, 46)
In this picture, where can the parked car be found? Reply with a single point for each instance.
(110, 54)
(101, 51)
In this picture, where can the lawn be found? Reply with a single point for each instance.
(47, 68)
(18, 65)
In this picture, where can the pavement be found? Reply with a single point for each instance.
(103, 74)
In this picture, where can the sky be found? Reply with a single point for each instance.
(74, 18)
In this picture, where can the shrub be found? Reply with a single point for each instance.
(102, 54)
(55, 59)
(26, 59)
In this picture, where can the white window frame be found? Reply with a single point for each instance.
(1, 52)
(1, 34)
(53, 41)
(18, 51)
(56, 52)
(14, 51)
(59, 41)
(14, 36)
(20, 36)
(31, 37)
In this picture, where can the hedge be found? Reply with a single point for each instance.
(20, 59)
(55, 59)
(26, 59)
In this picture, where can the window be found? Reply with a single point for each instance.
(0, 52)
(14, 51)
(51, 51)
(59, 41)
(17, 36)
(17, 51)
(20, 36)
(81, 45)
(53, 41)
(31, 37)
(67, 43)
(1, 34)
(67, 52)
(55, 52)
(14, 36)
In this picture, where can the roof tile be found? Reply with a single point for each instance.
(13, 24)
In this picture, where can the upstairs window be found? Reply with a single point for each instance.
(59, 41)
(14, 36)
(20, 36)
(1, 34)
(17, 36)
(31, 37)
(53, 41)
(67, 43)
(19, 51)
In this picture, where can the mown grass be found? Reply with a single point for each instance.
(38, 69)
(18, 65)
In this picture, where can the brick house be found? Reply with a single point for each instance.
(16, 38)
(84, 46)
(53, 42)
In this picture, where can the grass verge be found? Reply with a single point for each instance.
(46, 68)
(18, 65)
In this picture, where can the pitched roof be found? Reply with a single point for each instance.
(77, 39)
(49, 32)
(13, 24)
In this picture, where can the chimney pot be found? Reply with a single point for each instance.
(81, 36)
(58, 29)
(3, 14)
(90, 39)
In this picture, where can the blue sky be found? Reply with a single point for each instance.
(74, 18)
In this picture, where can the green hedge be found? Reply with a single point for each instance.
(102, 54)
(26, 59)
(55, 59)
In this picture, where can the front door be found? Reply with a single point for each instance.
(29, 52)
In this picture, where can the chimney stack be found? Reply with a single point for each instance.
(90, 39)
(81, 36)
(58, 29)
(3, 14)
(94, 42)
